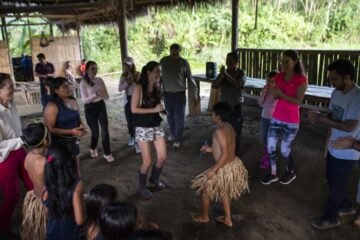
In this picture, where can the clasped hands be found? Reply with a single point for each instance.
(275, 92)
(314, 116)
(79, 131)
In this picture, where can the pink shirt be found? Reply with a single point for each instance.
(284, 110)
(268, 103)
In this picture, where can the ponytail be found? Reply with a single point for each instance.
(86, 77)
(294, 55)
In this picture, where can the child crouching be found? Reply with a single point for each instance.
(228, 178)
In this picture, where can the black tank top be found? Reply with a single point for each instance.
(148, 101)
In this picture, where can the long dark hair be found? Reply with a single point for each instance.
(98, 197)
(294, 55)
(34, 135)
(86, 77)
(3, 77)
(144, 81)
(118, 220)
(56, 84)
(60, 179)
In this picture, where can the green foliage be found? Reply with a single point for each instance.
(205, 31)
(101, 44)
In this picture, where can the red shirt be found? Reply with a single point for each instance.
(284, 110)
(82, 69)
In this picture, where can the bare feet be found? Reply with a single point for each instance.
(200, 219)
(222, 219)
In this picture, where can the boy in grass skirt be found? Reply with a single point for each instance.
(34, 211)
(228, 178)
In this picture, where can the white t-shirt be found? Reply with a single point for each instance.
(345, 107)
(10, 131)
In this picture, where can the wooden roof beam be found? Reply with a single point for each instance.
(54, 7)
(49, 16)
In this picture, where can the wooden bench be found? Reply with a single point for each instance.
(31, 91)
(316, 97)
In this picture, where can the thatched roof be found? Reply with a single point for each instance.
(67, 14)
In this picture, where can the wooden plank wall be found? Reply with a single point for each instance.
(58, 52)
(257, 62)
(5, 66)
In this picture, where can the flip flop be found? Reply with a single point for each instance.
(194, 216)
(221, 219)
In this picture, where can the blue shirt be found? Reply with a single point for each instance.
(48, 68)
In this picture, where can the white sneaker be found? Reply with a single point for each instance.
(176, 145)
(94, 153)
(109, 158)
(137, 148)
(131, 141)
(171, 138)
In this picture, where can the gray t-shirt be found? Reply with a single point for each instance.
(229, 93)
(345, 107)
(174, 74)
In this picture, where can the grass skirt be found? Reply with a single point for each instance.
(34, 218)
(230, 181)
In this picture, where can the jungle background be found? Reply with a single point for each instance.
(204, 31)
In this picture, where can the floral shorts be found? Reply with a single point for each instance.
(148, 134)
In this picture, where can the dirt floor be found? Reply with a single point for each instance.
(267, 212)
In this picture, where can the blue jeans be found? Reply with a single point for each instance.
(337, 174)
(264, 128)
(175, 106)
(42, 88)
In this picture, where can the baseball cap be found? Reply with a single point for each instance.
(128, 60)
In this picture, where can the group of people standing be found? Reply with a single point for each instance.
(281, 99)
(168, 80)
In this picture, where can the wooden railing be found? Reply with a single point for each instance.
(257, 62)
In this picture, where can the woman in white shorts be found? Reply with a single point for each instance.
(146, 106)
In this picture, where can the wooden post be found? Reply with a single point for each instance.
(122, 29)
(2, 32)
(3, 22)
(51, 30)
(29, 29)
(78, 28)
(256, 13)
(234, 26)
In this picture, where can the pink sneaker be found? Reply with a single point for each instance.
(265, 163)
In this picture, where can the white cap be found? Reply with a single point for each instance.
(128, 61)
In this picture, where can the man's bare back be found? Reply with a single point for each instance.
(35, 165)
